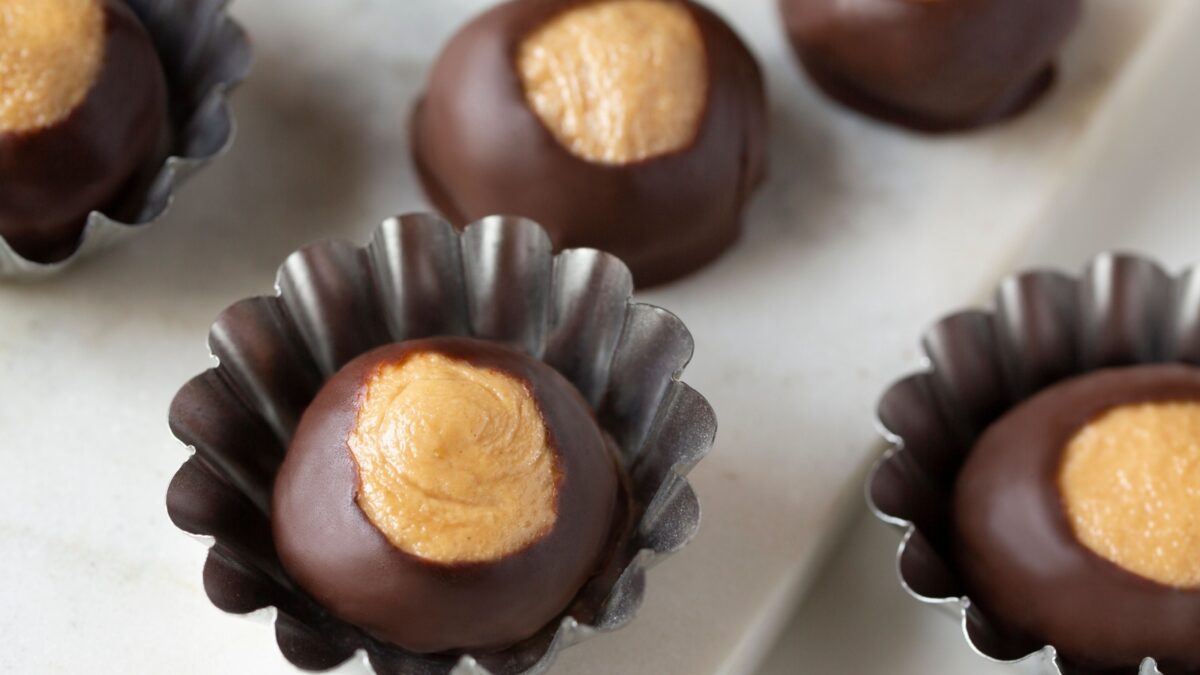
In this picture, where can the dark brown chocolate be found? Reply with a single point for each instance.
(933, 65)
(330, 548)
(480, 150)
(51, 178)
(1020, 558)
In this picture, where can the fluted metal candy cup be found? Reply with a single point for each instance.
(204, 54)
(1045, 326)
(498, 280)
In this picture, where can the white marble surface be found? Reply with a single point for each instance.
(1134, 189)
(862, 236)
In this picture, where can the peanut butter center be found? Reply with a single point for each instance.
(50, 55)
(1130, 481)
(618, 81)
(453, 460)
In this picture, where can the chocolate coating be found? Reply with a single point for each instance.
(333, 551)
(933, 65)
(1019, 556)
(481, 150)
(52, 177)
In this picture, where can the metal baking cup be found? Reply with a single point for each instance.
(498, 280)
(1045, 326)
(204, 54)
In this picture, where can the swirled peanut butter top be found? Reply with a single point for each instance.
(454, 460)
(617, 81)
(50, 55)
(1130, 482)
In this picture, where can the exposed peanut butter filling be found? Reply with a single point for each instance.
(50, 55)
(1130, 482)
(454, 460)
(618, 81)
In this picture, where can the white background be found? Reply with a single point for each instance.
(862, 236)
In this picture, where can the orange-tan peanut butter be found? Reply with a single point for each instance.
(618, 81)
(454, 460)
(1130, 482)
(50, 55)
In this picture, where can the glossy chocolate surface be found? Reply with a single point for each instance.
(330, 548)
(1019, 556)
(51, 178)
(481, 150)
(933, 65)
